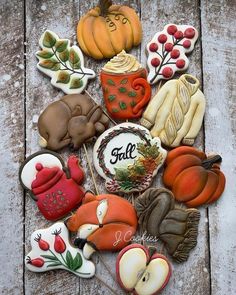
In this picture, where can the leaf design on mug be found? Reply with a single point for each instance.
(132, 93)
(124, 81)
(111, 97)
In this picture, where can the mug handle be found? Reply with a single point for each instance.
(137, 83)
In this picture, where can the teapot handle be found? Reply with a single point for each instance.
(137, 83)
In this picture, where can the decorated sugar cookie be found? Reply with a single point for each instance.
(55, 188)
(176, 112)
(142, 271)
(51, 249)
(125, 88)
(107, 29)
(63, 63)
(176, 227)
(73, 120)
(194, 178)
(167, 51)
(127, 157)
(104, 222)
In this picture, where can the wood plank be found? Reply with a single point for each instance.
(155, 15)
(57, 16)
(219, 63)
(12, 145)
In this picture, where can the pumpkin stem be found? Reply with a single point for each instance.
(104, 6)
(207, 164)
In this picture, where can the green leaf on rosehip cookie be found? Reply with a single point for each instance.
(123, 105)
(69, 259)
(50, 64)
(54, 264)
(45, 54)
(76, 83)
(63, 77)
(49, 257)
(133, 103)
(49, 40)
(61, 45)
(77, 262)
(64, 56)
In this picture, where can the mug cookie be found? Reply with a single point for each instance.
(125, 88)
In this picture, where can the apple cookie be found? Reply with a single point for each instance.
(141, 271)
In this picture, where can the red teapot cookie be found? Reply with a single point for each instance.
(55, 187)
(103, 222)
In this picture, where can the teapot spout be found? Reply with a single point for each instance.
(76, 171)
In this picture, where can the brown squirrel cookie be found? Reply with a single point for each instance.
(177, 228)
(72, 120)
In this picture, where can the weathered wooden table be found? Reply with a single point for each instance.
(24, 92)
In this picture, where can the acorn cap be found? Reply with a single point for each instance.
(45, 178)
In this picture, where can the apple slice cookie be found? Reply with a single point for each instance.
(142, 271)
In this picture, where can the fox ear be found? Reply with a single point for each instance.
(89, 197)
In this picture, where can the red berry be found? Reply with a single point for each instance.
(171, 29)
(155, 62)
(175, 53)
(39, 166)
(43, 245)
(162, 38)
(37, 262)
(59, 244)
(180, 63)
(189, 33)
(168, 47)
(167, 72)
(187, 44)
(153, 47)
(178, 35)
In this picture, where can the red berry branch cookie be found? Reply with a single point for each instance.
(167, 49)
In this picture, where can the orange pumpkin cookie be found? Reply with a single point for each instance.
(107, 29)
(194, 178)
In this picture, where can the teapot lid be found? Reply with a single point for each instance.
(45, 178)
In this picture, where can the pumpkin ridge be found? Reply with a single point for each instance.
(183, 190)
(88, 38)
(207, 192)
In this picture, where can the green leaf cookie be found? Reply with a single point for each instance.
(76, 83)
(63, 77)
(61, 45)
(50, 64)
(49, 40)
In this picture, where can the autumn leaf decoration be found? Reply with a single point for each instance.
(63, 63)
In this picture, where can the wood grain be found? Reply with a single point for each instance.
(12, 145)
(211, 266)
(155, 15)
(219, 63)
